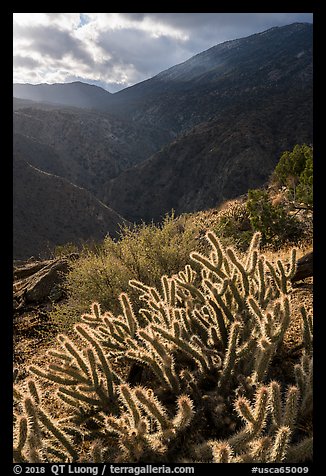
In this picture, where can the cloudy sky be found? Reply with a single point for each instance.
(116, 50)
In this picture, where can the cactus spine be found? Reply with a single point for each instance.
(205, 342)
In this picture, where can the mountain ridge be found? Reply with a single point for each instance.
(197, 134)
(77, 94)
(230, 71)
(73, 214)
(115, 101)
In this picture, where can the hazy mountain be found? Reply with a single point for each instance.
(75, 94)
(194, 135)
(257, 92)
(83, 146)
(48, 210)
(207, 84)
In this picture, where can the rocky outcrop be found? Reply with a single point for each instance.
(304, 268)
(38, 282)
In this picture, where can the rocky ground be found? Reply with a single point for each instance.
(37, 287)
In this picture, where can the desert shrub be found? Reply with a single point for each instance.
(189, 377)
(143, 252)
(237, 224)
(233, 226)
(272, 220)
(61, 251)
(295, 171)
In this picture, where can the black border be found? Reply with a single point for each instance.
(6, 254)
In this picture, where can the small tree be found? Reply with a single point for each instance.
(295, 171)
(273, 221)
(305, 187)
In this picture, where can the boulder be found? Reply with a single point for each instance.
(28, 268)
(304, 267)
(39, 283)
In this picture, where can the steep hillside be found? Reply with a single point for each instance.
(18, 103)
(49, 211)
(215, 161)
(75, 94)
(87, 148)
(208, 84)
(194, 135)
(38, 154)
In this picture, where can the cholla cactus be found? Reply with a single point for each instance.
(267, 431)
(205, 343)
(145, 429)
(307, 329)
(32, 427)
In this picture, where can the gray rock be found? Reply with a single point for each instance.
(304, 267)
(39, 283)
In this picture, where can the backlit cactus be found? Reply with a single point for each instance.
(204, 346)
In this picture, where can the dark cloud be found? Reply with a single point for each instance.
(51, 41)
(135, 16)
(25, 62)
(244, 21)
(134, 47)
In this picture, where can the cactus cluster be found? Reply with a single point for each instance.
(187, 378)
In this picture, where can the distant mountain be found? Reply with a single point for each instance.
(250, 99)
(208, 84)
(85, 147)
(191, 137)
(75, 94)
(49, 210)
(214, 161)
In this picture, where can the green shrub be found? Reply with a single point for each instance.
(305, 185)
(237, 224)
(144, 252)
(274, 222)
(295, 171)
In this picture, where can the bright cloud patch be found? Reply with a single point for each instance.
(116, 50)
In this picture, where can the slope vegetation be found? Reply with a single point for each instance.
(56, 212)
(87, 148)
(215, 161)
